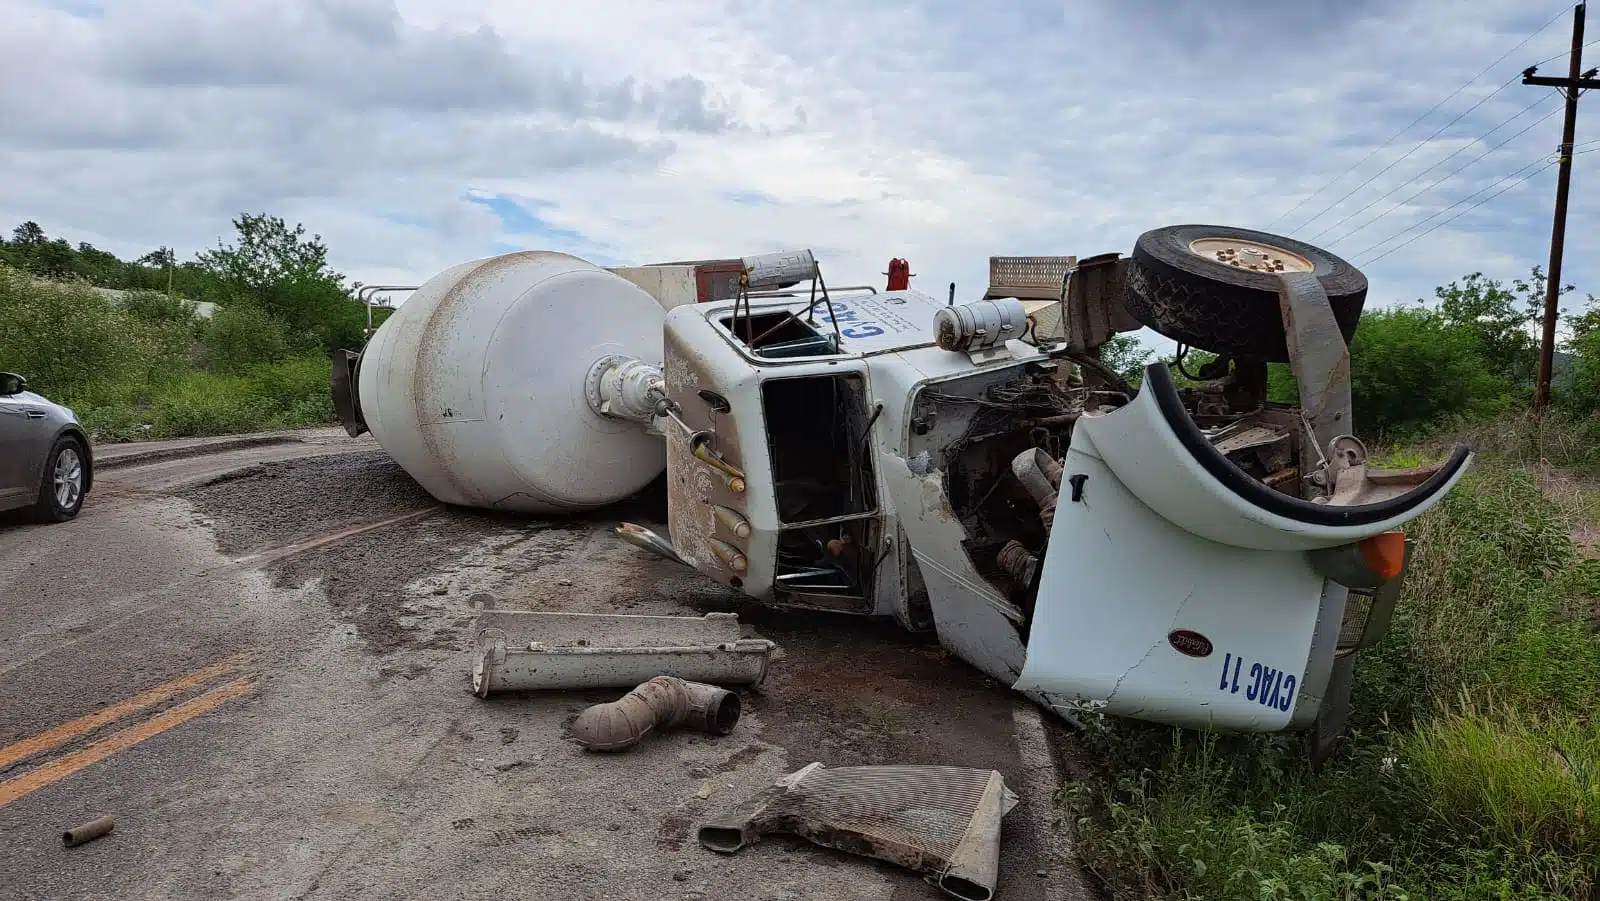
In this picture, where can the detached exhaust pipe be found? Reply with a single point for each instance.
(664, 702)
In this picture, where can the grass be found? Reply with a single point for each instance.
(1471, 769)
(288, 394)
(150, 369)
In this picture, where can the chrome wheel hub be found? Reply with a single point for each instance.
(68, 478)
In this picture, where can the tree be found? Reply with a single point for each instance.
(285, 273)
(1485, 312)
(99, 267)
(52, 259)
(28, 235)
(1581, 395)
(1126, 357)
(161, 258)
(1414, 368)
(269, 254)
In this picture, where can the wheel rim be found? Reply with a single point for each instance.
(68, 478)
(1256, 256)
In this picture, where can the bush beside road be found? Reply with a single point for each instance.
(147, 365)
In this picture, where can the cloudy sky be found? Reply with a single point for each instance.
(414, 134)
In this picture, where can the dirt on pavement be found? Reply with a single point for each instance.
(360, 765)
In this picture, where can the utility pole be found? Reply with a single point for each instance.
(1571, 86)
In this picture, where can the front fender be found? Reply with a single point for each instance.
(1156, 450)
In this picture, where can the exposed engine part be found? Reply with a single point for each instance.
(1018, 561)
(519, 650)
(665, 702)
(978, 325)
(943, 822)
(1047, 513)
(1103, 375)
(1038, 473)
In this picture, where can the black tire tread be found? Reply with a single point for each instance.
(1229, 312)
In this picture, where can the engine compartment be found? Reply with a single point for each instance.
(982, 428)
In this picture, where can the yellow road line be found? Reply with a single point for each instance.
(62, 767)
(66, 732)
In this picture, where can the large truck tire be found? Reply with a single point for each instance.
(1215, 288)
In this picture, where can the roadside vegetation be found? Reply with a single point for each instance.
(139, 361)
(1471, 767)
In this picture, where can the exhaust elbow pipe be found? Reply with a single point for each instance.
(641, 537)
(664, 702)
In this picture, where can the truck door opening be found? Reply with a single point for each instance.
(825, 489)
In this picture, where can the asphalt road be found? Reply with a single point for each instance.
(254, 659)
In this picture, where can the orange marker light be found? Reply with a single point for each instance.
(1385, 553)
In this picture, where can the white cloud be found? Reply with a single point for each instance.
(936, 130)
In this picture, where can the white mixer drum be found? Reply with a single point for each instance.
(476, 384)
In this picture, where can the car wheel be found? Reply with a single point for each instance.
(66, 474)
(1216, 288)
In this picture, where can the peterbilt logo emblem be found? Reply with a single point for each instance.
(1189, 642)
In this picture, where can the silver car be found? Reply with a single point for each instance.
(45, 463)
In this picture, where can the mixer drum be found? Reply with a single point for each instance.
(475, 385)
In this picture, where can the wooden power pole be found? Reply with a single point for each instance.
(1575, 83)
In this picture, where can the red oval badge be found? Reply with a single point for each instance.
(1189, 642)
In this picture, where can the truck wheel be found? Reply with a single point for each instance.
(1215, 288)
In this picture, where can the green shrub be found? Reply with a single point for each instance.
(283, 395)
(153, 306)
(1581, 393)
(74, 345)
(240, 336)
(1409, 371)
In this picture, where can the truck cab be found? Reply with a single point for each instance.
(1188, 554)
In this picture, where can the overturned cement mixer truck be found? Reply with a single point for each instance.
(1187, 553)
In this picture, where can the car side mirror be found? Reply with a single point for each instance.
(11, 383)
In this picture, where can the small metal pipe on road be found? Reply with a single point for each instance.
(88, 832)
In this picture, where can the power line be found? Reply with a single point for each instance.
(1402, 158)
(1375, 151)
(1457, 171)
(1392, 138)
(1392, 191)
(1565, 53)
(1469, 209)
(1541, 161)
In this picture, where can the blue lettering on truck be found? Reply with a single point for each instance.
(851, 324)
(1263, 684)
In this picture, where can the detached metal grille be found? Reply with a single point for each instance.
(941, 821)
(923, 809)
